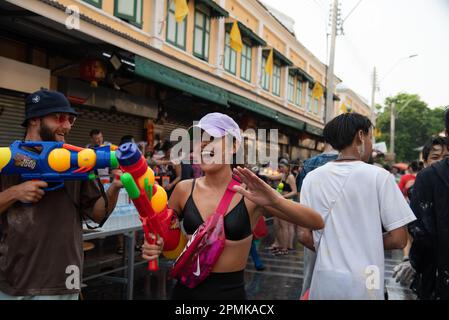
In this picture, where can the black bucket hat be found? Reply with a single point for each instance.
(44, 102)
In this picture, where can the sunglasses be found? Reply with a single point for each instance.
(62, 118)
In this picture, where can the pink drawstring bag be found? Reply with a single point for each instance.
(205, 246)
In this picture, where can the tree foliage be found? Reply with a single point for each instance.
(416, 123)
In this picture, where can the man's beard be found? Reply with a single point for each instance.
(46, 133)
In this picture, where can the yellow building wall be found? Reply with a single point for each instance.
(237, 11)
(273, 40)
(297, 60)
(187, 55)
(236, 79)
(108, 7)
(316, 74)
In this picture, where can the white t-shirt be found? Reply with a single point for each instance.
(355, 200)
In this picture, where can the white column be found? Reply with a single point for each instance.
(158, 22)
(258, 60)
(284, 92)
(220, 36)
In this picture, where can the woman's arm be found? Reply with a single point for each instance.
(263, 195)
(305, 236)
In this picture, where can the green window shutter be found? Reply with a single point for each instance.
(139, 13)
(96, 3)
(129, 10)
(298, 98)
(291, 88)
(230, 56)
(125, 9)
(276, 80)
(176, 32)
(265, 76)
(201, 32)
(309, 99)
(246, 61)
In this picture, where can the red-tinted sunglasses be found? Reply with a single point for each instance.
(63, 117)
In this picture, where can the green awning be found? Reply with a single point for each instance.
(278, 56)
(302, 74)
(313, 130)
(215, 10)
(265, 111)
(154, 71)
(248, 35)
(251, 105)
(291, 122)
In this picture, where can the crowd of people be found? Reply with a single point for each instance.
(345, 210)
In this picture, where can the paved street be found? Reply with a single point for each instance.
(281, 279)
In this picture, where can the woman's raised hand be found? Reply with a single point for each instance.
(256, 190)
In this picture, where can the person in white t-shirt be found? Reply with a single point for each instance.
(357, 202)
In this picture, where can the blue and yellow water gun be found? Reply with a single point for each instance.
(54, 162)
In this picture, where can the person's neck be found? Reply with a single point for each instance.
(33, 136)
(349, 154)
(214, 180)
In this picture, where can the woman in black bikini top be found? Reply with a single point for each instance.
(195, 200)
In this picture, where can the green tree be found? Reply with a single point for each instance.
(415, 124)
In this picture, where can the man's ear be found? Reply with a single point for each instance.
(359, 137)
(34, 122)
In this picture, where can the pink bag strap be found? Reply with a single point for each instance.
(227, 197)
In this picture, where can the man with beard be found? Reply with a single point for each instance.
(41, 252)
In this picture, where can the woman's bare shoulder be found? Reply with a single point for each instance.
(184, 186)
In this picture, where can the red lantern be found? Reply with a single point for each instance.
(92, 70)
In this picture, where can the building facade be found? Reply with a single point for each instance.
(351, 102)
(129, 68)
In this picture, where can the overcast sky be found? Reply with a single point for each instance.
(379, 33)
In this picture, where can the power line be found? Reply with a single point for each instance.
(320, 5)
(353, 9)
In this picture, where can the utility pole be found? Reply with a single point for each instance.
(392, 129)
(373, 95)
(373, 101)
(330, 69)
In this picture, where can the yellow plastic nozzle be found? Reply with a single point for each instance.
(59, 160)
(149, 174)
(87, 158)
(5, 157)
(159, 199)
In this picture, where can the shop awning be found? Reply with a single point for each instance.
(278, 56)
(313, 130)
(251, 105)
(154, 71)
(248, 34)
(267, 112)
(215, 10)
(291, 122)
(302, 74)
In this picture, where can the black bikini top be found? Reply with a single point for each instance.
(236, 223)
